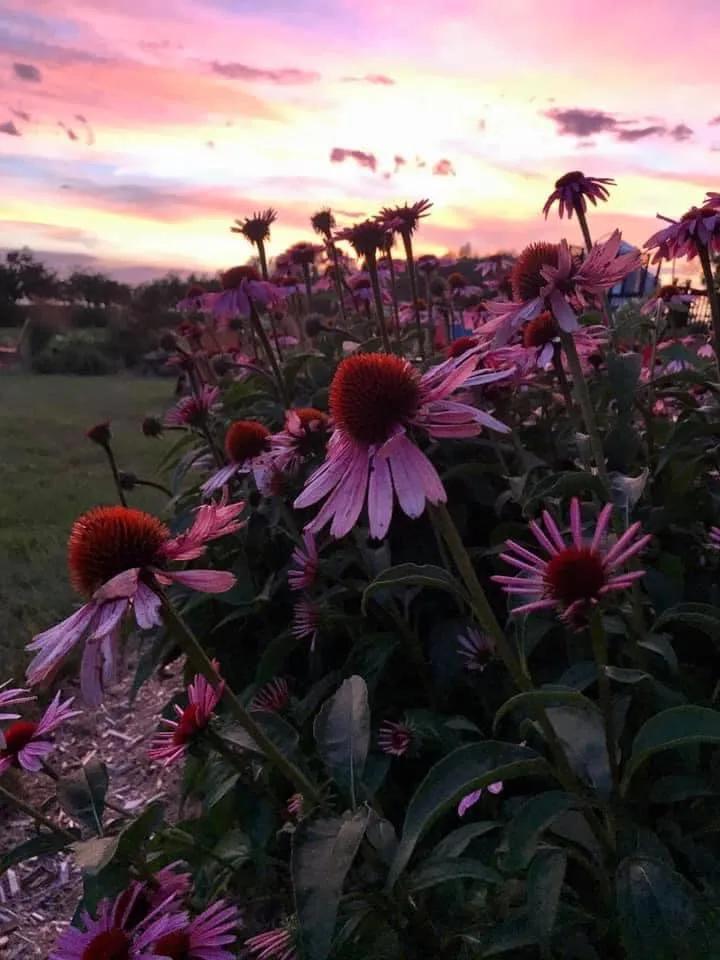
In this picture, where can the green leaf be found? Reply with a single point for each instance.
(543, 698)
(561, 485)
(186, 440)
(677, 789)
(659, 644)
(323, 852)
(544, 885)
(92, 855)
(458, 868)
(42, 845)
(528, 825)
(623, 374)
(626, 675)
(672, 728)
(657, 912)
(455, 843)
(414, 575)
(276, 728)
(581, 733)
(468, 768)
(342, 734)
(82, 795)
(701, 616)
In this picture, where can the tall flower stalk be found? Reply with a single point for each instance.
(366, 238)
(405, 220)
(256, 230)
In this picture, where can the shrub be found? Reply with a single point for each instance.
(84, 317)
(71, 354)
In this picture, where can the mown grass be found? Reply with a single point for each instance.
(49, 474)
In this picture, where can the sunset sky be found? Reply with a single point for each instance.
(132, 132)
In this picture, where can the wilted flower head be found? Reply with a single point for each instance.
(699, 227)
(152, 427)
(374, 399)
(305, 563)
(575, 576)
(241, 288)
(171, 743)
(404, 219)
(277, 944)
(427, 263)
(323, 222)
(475, 649)
(100, 434)
(572, 189)
(25, 743)
(305, 436)
(395, 739)
(256, 228)
(664, 298)
(366, 238)
(305, 621)
(273, 697)
(301, 254)
(193, 298)
(192, 411)
(115, 556)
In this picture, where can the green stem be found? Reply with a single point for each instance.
(155, 486)
(36, 815)
(393, 293)
(582, 395)
(116, 474)
(407, 243)
(515, 667)
(379, 307)
(272, 360)
(599, 646)
(712, 294)
(201, 662)
(262, 257)
(337, 280)
(562, 379)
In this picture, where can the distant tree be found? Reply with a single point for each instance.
(23, 276)
(96, 290)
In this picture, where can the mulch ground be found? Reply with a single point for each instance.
(39, 897)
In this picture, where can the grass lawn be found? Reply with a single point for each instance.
(50, 473)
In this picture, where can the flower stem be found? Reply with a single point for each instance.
(156, 486)
(116, 474)
(337, 280)
(562, 379)
(712, 294)
(599, 645)
(262, 257)
(379, 307)
(36, 815)
(201, 662)
(407, 242)
(272, 360)
(582, 395)
(515, 667)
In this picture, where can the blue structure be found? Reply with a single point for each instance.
(641, 283)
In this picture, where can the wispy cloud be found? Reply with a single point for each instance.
(28, 72)
(9, 128)
(289, 76)
(581, 123)
(363, 159)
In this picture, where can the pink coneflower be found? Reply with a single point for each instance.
(374, 400)
(395, 739)
(303, 253)
(540, 338)
(461, 346)
(295, 805)
(305, 562)
(576, 576)
(366, 238)
(204, 937)
(112, 936)
(427, 263)
(571, 191)
(305, 621)
(475, 649)
(323, 222)
(25, 743)
(241, 285)
(165, 889)
(472, 798)
(11, 698)
(273, 698)
(305, 436)
(404, 219)
(699, 227)
(115, 555)
(247, 445)
(715, 536)
(277, 944)
(171, 743)
(193, 411)
(547, 276)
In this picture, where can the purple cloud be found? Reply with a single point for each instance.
(340, 155)
(575, 122)
(640, 133)
(681, 132)
(715, 122)
(284, 75)
(10, 129)
(377, 79)
(21, 115)
(27, 72)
